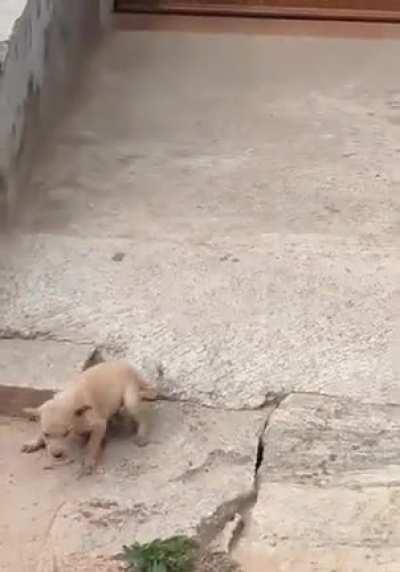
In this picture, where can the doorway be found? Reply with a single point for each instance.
(361, 10)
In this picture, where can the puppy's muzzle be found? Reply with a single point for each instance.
(57, 452)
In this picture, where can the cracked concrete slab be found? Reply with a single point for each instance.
(329, 489)
(320, 439)
(137, 494)
(305, 313)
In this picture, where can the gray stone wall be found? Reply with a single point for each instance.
(38, 65)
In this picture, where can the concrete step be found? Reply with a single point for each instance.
(33, 369)
(226, 322)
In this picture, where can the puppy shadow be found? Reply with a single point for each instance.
(121, 427)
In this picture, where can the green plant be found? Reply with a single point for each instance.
(175, 554)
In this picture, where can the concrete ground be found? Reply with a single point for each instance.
(223, 210)
(51, 519)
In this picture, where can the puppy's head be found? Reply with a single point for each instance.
(56, 421)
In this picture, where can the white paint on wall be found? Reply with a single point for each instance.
(23, 70)
(39, 40)
(10, 11)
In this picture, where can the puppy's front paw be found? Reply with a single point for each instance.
(30, 447)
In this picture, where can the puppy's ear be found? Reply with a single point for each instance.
(32, 412)
(81, 410)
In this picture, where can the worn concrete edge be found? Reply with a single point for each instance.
(15, 398)
(152, 370)
(97, 353)
(39, 64)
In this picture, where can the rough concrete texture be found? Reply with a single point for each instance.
(328, 489)
(137, 494)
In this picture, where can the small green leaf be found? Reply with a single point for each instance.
(175, 554)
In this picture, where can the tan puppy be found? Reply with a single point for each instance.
(86, 406)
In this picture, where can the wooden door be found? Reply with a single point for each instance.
(378, 10)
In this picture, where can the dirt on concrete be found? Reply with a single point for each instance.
(51, 520)
(32, 494)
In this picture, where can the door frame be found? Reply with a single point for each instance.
(252, 10)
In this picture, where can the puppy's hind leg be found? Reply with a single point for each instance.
(135, 410)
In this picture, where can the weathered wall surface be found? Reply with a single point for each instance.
(40, 55)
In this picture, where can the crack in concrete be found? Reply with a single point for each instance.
(13, 334)
(38, 336)
(341, 398)
(274, 403)
(260, 458)
(272, 399)
(241, 507)
(209, 529)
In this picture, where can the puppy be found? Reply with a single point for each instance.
(86, 406)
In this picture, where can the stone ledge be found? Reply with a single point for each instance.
(303, 323)
(329, 489)
(322, 440)
(32, 370)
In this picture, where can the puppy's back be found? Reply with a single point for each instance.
(105, 384)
